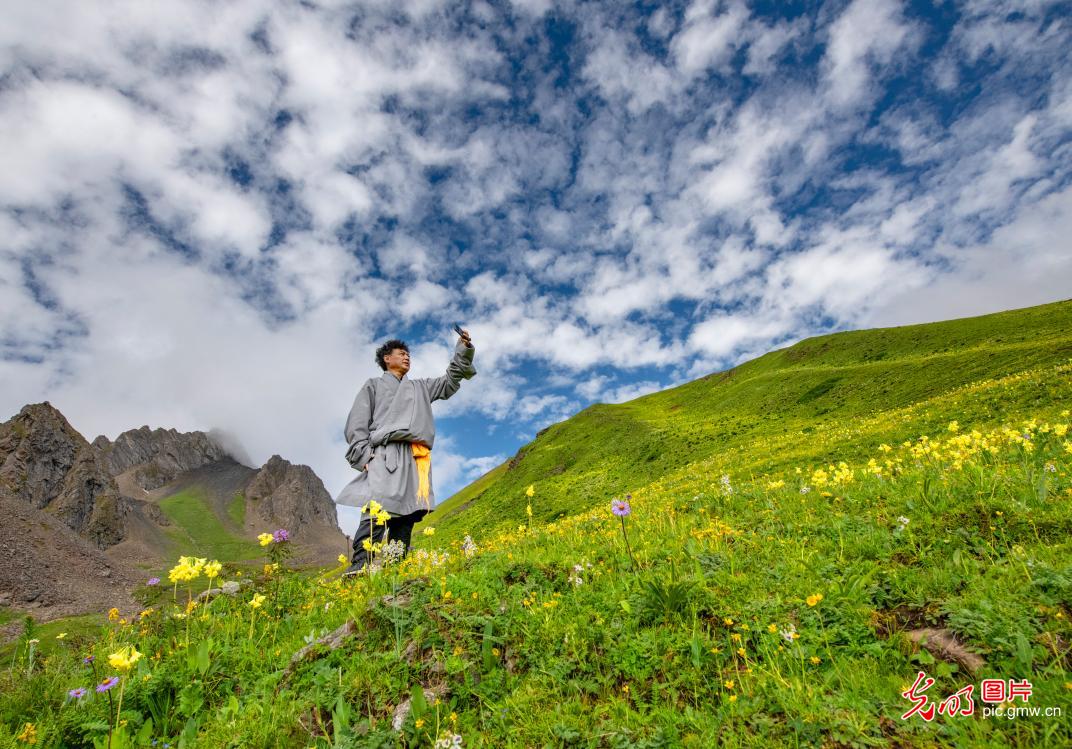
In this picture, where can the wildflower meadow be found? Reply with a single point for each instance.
(898, 578)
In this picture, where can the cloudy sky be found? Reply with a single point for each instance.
(211, 212)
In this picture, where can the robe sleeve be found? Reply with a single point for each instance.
(460, 368)
(357, 428)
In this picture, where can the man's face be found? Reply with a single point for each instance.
(397, 361)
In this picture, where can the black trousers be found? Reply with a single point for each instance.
(398, 528)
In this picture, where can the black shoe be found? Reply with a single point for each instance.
(353, 570)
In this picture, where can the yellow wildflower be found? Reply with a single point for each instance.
(729, 684)
(258, 600)
(531, 490)
(212, 569)
(419, 723)
(1060, 430)
(814, 599)
(61, 635)
(124, 659)
(528, 511)
(265, 539)
(953, 426)
(816, 660)
(343, 559)
(741, 652)
(429, 531)
(113, 614)
(733, 698)
(382, 517)
(728, 622)
(29, 734)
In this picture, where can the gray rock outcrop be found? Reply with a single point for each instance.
(292, 496)
(157, 456)
(48, 465)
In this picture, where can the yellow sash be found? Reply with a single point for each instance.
(423, 455)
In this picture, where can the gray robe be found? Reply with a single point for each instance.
(388, 414)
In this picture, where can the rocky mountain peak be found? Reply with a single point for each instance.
(157, 456)
(291, 495)
(37, 448)
(45, 463)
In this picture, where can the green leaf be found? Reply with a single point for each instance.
(203, 656)
(340, 720)
(418, 705)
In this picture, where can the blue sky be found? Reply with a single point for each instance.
(212, 212)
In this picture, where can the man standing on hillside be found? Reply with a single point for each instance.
(390, 432)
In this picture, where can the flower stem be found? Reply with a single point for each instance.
(627, 546)
(117, 719)
(119, 708)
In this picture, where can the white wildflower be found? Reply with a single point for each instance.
(468, 547)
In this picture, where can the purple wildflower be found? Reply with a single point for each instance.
(621, 508)
(107, 684)
(88, 660)
(280, 536)
(153, 581)
(76, 694)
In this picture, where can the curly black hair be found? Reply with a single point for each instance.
(387, 348)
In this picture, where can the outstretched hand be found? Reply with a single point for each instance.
(466, 339)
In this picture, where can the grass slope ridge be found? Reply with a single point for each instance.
(778, 400)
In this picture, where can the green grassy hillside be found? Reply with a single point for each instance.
(763, 414)
(780, 580)
(198, 530)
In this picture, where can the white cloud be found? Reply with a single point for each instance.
(768, 42)
(723, 333)
(1026, 262)
(708, 40)
(868, 33)
(622, 71)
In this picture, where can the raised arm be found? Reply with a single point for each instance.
(460, 368)
(357, 428)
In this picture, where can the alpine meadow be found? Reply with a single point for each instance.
(861, 540)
